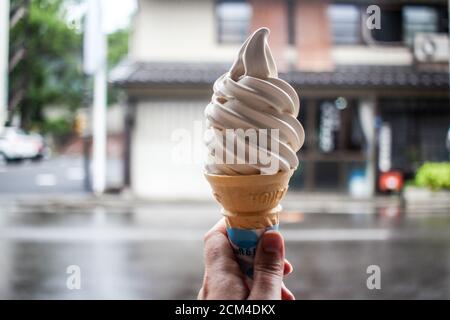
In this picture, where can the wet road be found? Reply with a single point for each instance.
(59, 175)
(154, 251)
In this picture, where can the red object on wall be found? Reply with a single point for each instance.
(390, 181)
(313, 36)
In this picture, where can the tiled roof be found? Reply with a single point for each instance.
(372, 76)
(147, 74)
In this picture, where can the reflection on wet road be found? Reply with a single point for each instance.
(154, 251)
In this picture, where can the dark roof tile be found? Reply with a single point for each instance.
(129, 74)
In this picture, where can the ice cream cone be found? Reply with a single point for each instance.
(251, 205)
(249, 194)
(250, 104)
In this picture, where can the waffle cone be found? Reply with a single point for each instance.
(250, 202)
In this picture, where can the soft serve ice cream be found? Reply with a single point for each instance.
(252, 118)
(253, 137)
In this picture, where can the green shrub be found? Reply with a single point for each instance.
(434, 175)
(57, 127)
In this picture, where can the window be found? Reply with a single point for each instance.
(345, 21)
(233, 20)
(419, 127)
(391, 26)
(417, 19)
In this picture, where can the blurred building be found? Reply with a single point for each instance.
(372, 78)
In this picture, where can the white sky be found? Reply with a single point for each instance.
(116, 13)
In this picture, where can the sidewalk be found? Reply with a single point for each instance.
(328, 203)
(339, 203)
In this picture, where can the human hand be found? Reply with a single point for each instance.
(223, 279)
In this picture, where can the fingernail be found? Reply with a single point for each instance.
(289, 266)
(272, 242)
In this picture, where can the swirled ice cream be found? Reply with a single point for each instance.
(252, 125)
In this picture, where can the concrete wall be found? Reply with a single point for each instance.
(186, 30)
(115, 117)
(178, 30)
(373, 55)
(167, 151)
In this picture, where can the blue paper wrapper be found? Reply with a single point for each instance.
(244, 243)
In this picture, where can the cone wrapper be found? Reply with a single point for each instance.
(244, 232)
(250, 207)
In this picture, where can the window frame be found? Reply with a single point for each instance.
(360, 38)
(219, 32)
(404, 24)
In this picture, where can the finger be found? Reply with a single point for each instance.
(201, 294)
(286, 294)
(223, 277)
(268, 267)
(288, 268)
(218, 253)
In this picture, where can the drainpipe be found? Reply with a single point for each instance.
(130, 105)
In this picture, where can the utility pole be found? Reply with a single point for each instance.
(4, 59)
(99, 132)
(95, 49)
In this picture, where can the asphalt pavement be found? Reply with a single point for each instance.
(154, 251)
(125, 248)
(59, 175)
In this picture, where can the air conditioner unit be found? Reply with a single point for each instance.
(431, 47)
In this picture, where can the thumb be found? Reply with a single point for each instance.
(268, 267)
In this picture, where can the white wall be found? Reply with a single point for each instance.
(163, 130)
(115, 118)
(371, 55)
(178, 30)
(186, 30)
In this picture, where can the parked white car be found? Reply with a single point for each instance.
(15, 144)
